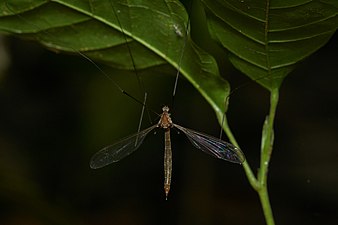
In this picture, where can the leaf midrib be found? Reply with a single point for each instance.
(124, 31)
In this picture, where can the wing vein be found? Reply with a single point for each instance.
(119, 150)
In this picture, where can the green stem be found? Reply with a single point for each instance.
(266, 206)
(267, 144)
(260, 183)
(251, 177)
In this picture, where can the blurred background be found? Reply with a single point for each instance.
(58, 110)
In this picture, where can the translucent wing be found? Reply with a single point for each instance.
(213, 146)
(119, 150)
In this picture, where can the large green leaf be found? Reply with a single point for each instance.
(155, 31)
(267, 38)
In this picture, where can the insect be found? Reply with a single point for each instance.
(208, 144)
(211, 145)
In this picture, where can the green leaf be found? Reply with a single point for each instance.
(155, 31)
(267, 38)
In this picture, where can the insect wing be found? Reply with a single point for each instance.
(213, 146)
(119, 150)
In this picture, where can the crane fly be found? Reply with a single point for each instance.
(208, 144)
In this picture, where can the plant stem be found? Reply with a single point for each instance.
(266, 206)
(251, 177)
(259, 184)
(266, 150)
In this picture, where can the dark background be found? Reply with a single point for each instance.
(58, 110)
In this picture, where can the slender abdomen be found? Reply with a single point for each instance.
(167, 162)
